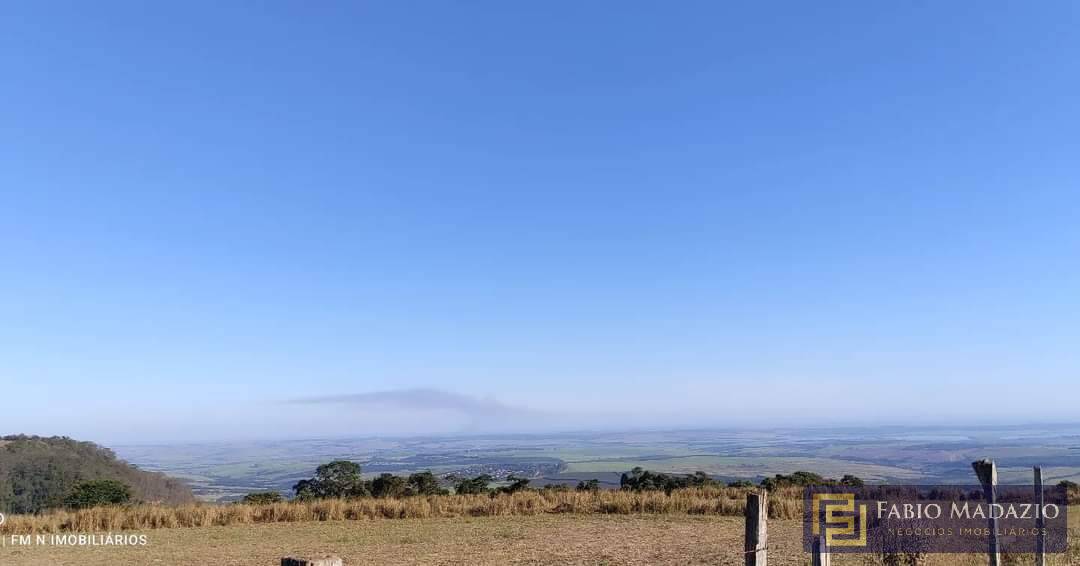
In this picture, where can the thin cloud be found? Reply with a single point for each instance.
(424, 400)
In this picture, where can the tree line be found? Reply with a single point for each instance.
(343, 479)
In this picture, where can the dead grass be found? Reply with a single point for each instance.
(688, 527)
(544, 539)
(631, 540)
(703, 501)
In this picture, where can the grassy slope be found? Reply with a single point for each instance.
(544, 539)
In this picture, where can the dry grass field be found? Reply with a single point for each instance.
(552, 539)
(693, 526)
(540, 539)
(784, 504)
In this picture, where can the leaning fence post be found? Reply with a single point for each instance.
(821, 553)
(1040, 521)
(757, 536)
(987, 473)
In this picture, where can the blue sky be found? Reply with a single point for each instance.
(607, 214)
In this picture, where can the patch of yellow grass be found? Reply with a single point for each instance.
(783, 504)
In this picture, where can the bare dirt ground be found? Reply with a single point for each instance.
(550, 539)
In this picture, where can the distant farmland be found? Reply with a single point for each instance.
(921, 455)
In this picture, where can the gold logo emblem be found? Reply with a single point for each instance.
(843, 522)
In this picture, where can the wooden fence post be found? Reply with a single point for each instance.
(1040, 521)
(987, 473)
(821, 553)
(757, 535)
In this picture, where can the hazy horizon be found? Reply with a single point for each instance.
(420, 413)
(222, 222)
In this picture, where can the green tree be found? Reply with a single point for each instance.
(798, 479)
(639, 479)
(700, 479)
(588, 485)
(263, 498)
(388, 485)
(424, 483)
(472, 486)
(340, 478)
(96, 493)
(851, 481)
(516, 484)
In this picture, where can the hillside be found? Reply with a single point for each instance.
(36, 473)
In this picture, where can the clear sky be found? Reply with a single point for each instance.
(455, 216)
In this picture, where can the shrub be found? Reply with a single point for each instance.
(798, 479)
(262, 498)
(588, 485)
(639, 479)
(516, 484)
(388, 485)
(424, 483)
(803, 479)
(473, 486)
(1072, 491)
(96, 493)
(851, 481)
